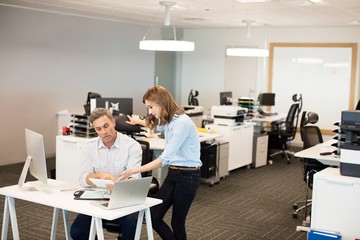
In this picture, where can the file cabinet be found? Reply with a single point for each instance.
(260, 149)
(68, 153)
(240, 138)
(335, 203)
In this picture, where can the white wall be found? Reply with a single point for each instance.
(49, 62)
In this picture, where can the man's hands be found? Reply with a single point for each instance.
(99, 175)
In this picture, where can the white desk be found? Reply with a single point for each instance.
(157, 143)
(269, 119)
(65, 200)
(262, 121)
(314, 153)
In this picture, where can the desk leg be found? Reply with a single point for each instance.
(149, 229)
(96, 228)
(139, 224)
(66, 224)
(9, 210)
(54, 224)
(5, 224)
(149, 224)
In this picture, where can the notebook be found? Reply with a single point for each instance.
(127, 193)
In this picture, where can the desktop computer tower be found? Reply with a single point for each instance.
(208, 156)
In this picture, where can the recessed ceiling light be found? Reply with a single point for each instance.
(253, 1)
(355, 22)
(315, 1)
(193, 19)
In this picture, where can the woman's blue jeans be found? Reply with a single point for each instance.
(178, 190)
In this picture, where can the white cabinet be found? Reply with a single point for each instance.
(260, 150)
(240, 140)
(335, 203)
(68, 152)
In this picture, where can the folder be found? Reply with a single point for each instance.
(323, 235)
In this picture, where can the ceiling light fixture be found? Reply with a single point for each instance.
(246, 51)
(253, 1)
(315, 1)
(167, 45)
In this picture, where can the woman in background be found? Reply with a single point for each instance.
(181, 153)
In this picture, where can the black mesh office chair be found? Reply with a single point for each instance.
(123, 127)
(154, 186)
(192, 100)
(310, 135)
(90, 96)
(282, 132)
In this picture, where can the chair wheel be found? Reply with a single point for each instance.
(295, 215)
(295, 206)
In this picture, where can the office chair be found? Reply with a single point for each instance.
(310, 135)
(123, 127)
(90, 96)
(284, 131)
(192, 100)
(154, 186)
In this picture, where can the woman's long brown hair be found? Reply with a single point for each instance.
(165, 100)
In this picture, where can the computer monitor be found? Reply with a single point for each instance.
(225, 98)
(35, 162)
(118, 106)
(266, 99)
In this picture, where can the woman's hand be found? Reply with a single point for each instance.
(125, 175)
(134, 119)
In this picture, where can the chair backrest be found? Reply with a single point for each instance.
(310, 134)
(291, 121)
(123, 127)
(146, 156)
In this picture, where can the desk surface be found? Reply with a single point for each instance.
(314, 152)
(269, 119)
(157, 143)
(65, 200)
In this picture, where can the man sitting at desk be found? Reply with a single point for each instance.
(106, 157)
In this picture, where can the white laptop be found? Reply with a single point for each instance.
(127, 193)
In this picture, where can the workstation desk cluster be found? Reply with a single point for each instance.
(69, 147)
(335, 198)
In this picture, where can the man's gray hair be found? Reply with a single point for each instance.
(99, 112)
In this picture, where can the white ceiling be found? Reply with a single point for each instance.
(206, 13)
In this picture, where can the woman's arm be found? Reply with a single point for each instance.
(157, 163)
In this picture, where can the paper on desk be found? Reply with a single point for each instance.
(101, 183)
(95, 194)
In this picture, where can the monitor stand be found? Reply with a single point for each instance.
(22, 185)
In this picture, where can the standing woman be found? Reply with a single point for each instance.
(181, 153)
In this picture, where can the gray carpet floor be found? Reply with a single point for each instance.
(248, 204)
